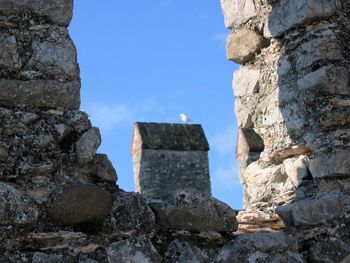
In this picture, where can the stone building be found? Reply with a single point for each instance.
(169, 158)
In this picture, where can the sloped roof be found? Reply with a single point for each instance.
(170, 136)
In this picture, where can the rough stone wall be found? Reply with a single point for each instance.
(292, 105)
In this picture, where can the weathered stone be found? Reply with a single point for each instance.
(243, 114)
(16, 208)
(87, 145)
(195, 212)
(248, 149)
(243, 45)
(40, 257)
(245, 82)
(328, 164)
(182, 252)
(329, 251)
(57, 58)
(288, 14)
(40, 94)
(9, 57)
(134, 250)
(297, 169)
(80, 204)
(261, 247)
(316, 50)
(58, 11)
(236, 12)
(291, 151)
(259, 221)
(327, 80)
(181, 163)
(130, 213)
(309, 213)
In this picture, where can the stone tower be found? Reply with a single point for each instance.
(169, 158)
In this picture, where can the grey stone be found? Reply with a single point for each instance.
(327, 80)
(296, 169)
(334, 250)
(261, 247)
(58, 11)
(130, 213)
(58, 58)
(182, 252)
(9, 57)
(87, 145)
(40, 257)
(236, 12)
(134, 250)
(194, 212)
(315, 50)
(40, 94)
(245, 82)
(16, 208)
(331, 164)
(243, 45)
(81, 204)
(310, 213)
(288, 14)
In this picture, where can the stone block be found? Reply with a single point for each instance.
(314, 212)
(182, 251)
(9, 57)
(330, 251)
(237, 12)
(243, 44)
(331, 164)
(16, 208)
(134, 250)
(261, 247)
(243, 114)
(297, 169)
(81, 204)
(40, 94)
(327, 80)
(194, 212)
(245, 82)
(57, 11)
(87, 145)
(55, 58)
(288, 14)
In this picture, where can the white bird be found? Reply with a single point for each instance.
(185, 118)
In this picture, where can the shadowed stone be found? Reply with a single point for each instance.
(133, 250)
(15, 207)
(80, 204)
(9, 57)
(58, 11)
(40, 94)
(87, 145)
(181, 252)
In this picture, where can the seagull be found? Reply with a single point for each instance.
(185, 118)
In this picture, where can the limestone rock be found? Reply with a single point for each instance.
(194, 211)
(9, 57)
(87, 145)
(261, 247)
(245, 82)
(330, 164)
(58, 11)
(40, 94)
(134, 250)
(259, 221)
(16, 208)
(57, 58)
(309, 213)
(81, 204)
(287, 14)
(326, 80)
(236, 12)
(182, 252)
(130, 213)
(297, 169)
(243, 45)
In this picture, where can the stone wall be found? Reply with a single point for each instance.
(292, 102)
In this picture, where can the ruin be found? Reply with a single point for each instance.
(59, 201)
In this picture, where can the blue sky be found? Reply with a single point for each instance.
(149, 61)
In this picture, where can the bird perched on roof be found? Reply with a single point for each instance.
(185, 118)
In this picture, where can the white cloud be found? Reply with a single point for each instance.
(224, 141)
(226, 178)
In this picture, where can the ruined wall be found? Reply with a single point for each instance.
(292, 102)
